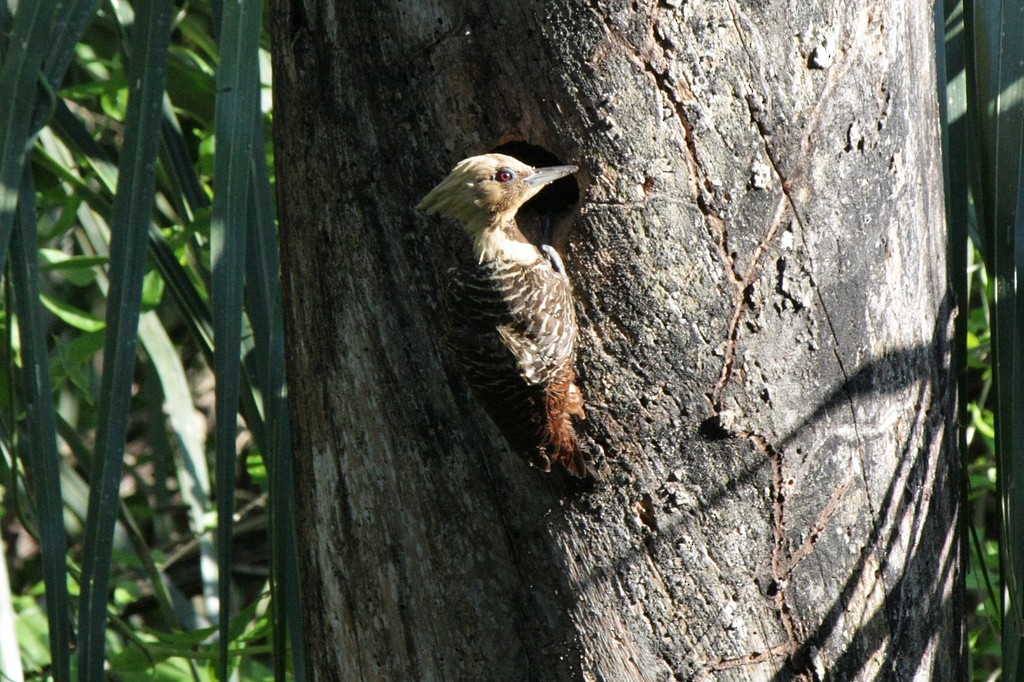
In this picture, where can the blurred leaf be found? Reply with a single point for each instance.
(114, 96)
(152, 290)
(10, 653)
(79, 270)
(189, 193)
(73, 360)
(256, 469)
(79, 319)
(33, 637)
(192, 85)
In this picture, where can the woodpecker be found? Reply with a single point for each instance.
(509, 316)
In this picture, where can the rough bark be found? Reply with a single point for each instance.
(758, 254)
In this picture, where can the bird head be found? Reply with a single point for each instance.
(486, 191)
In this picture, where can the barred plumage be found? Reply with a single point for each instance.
(509, 314)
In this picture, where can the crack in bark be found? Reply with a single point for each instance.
(748, 659)
(701, 188)
(787, 181)
(704, 192)
(740, 303)
(783, 562)
(780, 558)
(643, 57)
(824, 516)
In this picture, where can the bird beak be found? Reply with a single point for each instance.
(544, 176)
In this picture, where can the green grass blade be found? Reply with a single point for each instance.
(263, 297)
(953, 114)
(130, 221)
(195, 313)
(953, 110)
(28, 46)
(126, 526)
(41, 460)
(68, 31)
(995, 87)
(237, 100)
(982, 69)
(76, 491)
(174, 154)
(1011, 465)
(1007, 351)
(6, 19)
(952, 81)
(69, 25)
(959, 172)
(77, 138)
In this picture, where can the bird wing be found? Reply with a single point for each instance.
(512, 332)
(541, 329)
(526, 310)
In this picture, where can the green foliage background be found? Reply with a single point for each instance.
(138, 241)
(142, 264)
(980, 53)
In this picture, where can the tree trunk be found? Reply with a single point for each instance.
(758, 255)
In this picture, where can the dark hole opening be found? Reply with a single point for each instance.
(712, 429)
(539, 217)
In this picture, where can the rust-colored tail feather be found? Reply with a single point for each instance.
(564, 402)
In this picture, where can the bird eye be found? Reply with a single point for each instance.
(505, 175)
